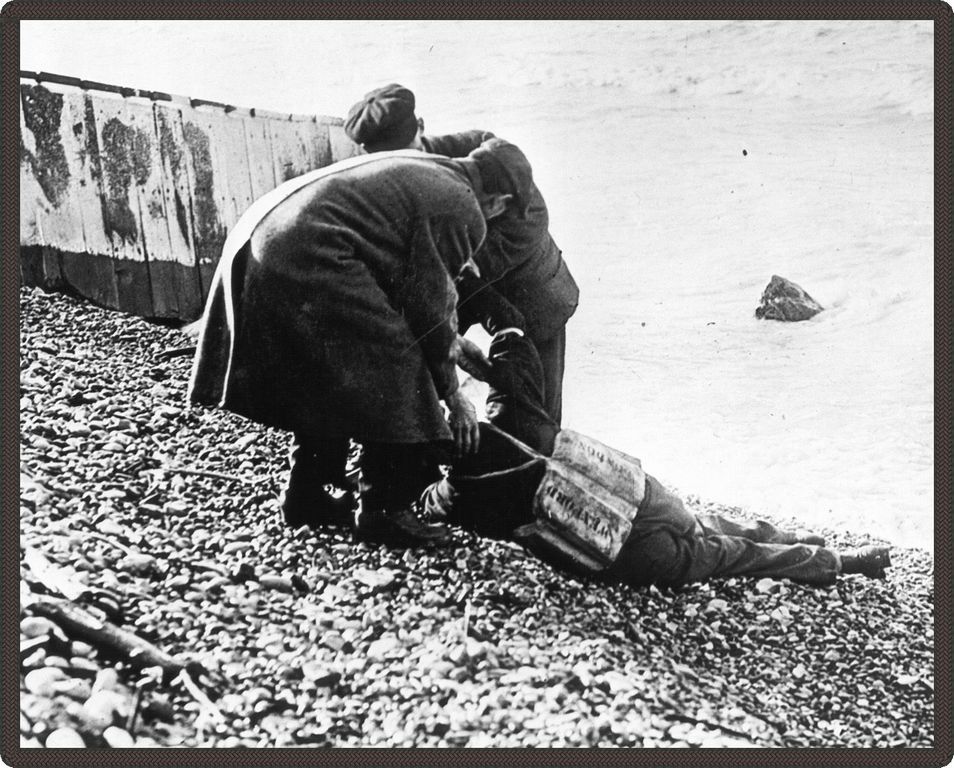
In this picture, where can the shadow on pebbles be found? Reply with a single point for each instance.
(209, 624)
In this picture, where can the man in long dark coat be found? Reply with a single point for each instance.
(519, 258)
(331, 315)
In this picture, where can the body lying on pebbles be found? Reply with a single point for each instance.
(309, 638)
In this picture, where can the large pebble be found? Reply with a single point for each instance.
(717, 605)
(137, 563)
(379, 579)
(320, 674)
(107, 679)
(42, 682)
(110, 527)
(102, 708)
(278, 583)
(333, 640)
(65, 737)
(79, 648)
(34, 660)
(616, 681)
(36, 626)
(74, 687)
(383, 647)
(118, 738)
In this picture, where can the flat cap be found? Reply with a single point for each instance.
(383, 120)
(505, 169)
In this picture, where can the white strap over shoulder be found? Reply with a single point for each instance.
(257, 211)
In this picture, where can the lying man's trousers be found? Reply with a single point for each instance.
(669, 545)
(553, 359)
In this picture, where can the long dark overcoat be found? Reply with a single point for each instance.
(336, 317)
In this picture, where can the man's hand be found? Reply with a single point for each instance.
(463, 423)
(471, 358)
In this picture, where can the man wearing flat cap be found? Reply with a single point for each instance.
(519, 258)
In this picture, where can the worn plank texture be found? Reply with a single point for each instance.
(126, 200)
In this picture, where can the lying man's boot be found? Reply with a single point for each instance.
(316, 507)
(401, 527)
(868, 561)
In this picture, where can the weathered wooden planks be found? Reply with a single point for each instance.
(133, 210)
(127, 200)
(261, 168)
(340, 145)
(61, 194)
(174, 274)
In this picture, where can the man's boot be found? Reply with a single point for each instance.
(317, 494)
(399, 528)
(868, 561)
(316, 507)
(307, 501)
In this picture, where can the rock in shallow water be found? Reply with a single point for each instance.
(784, 300)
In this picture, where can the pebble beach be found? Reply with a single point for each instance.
(683, 163)
(162, 521)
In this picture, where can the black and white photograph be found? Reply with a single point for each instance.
(476, 383)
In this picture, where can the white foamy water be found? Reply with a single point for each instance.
(684, 164)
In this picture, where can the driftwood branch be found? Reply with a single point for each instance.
(117, 544)
(169, 354)
(104, 635)
(138, 652)
(710, 724)
(173, 469)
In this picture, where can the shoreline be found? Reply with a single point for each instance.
(312, 639)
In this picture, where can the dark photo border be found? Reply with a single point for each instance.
(14, 12)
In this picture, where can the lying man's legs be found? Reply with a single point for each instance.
(553, 358)
(516, 393)
(669, 545)
(718, 555)
(757, 530)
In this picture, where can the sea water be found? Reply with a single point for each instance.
(684, 163)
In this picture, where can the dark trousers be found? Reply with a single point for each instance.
(669, 545)
(553, 358)
(392, 475)
(515, 400)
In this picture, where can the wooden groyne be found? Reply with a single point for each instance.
(126, 196)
